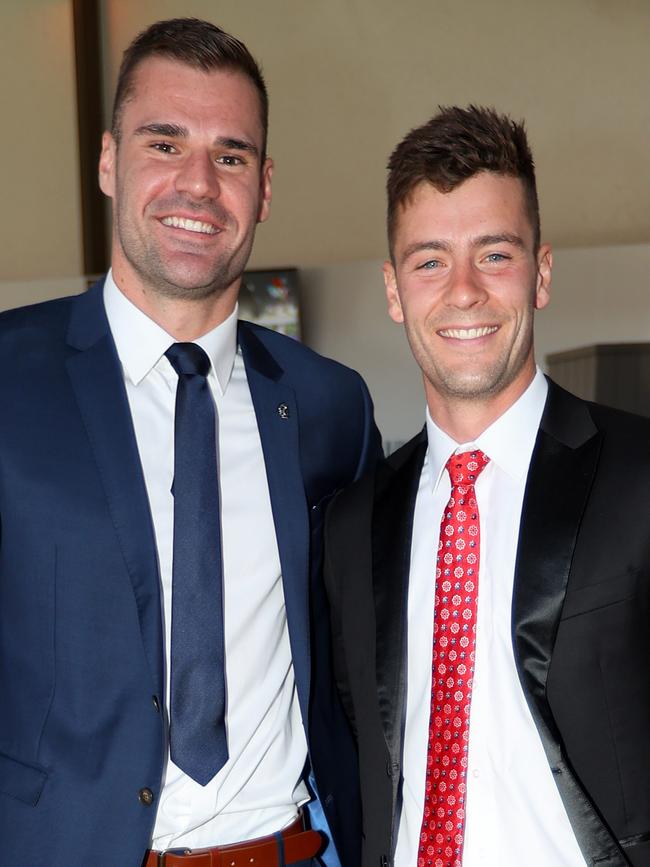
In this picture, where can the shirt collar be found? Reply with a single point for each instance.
(508, 441)
(141, 342)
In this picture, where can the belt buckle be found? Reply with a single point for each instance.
(165, 852)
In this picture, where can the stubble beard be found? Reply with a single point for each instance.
(478, 382)
(175, 282)
(179, 284)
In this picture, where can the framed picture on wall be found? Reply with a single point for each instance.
(270, 298)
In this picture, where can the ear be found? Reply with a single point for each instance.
(107, 159)
(544, 268)
(392, 295)
(265, 189)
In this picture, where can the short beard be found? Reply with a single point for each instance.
(161, 281)
(482, 385)
(155, 278)
(478, 385)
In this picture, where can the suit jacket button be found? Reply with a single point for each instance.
(156, 703)
(146, 797)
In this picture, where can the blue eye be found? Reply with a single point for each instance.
(430, 265)
(497, 257)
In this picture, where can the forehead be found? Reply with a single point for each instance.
(166, 90)
(487, 203)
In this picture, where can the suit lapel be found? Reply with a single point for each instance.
(561, 472)
(97, 381)
(560, 477)
(395, 493)
(276, 411)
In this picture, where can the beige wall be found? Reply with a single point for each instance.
(40, 216)
(347, 78)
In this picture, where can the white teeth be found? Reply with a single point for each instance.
(467, 333)
(189, 225)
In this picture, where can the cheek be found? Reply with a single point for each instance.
(419, 306)
(242, 197)
(420, 319)
(524, 319)
(142, 185)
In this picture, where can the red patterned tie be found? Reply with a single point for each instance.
(454, 639)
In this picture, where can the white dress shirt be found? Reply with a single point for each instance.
(259, 788)
(515, 815)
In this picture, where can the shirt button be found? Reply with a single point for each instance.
(476, 773)
(156, 703)
(146, 797)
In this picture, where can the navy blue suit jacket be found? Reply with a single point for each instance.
(81, 641)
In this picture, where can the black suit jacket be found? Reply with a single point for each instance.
(580, 623)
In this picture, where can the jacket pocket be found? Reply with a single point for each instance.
(20, 781)
(610, 591)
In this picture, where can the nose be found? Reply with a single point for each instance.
(465, 287)
(198, 176)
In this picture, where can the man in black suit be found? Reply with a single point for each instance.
(528, 745)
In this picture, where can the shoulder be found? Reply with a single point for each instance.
(606, 418)
(328, 392)
(338, 436)
(294, 357)
(35, 331)
(44, 314)
(624, 436)
(625, 439)
(619, 422)
(402, 466)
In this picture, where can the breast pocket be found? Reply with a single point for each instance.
(609, 591)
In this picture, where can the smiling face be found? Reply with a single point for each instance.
(187, 182)
(465, 281)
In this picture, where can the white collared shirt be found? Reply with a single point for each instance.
(515, 815)
(258, 790)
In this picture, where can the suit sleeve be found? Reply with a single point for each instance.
(333, 589)
(371, 448)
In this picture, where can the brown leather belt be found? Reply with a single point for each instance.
(299, 845)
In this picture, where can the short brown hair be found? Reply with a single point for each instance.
(197, 43)
(456, 144)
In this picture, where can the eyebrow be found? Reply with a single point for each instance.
(501, 238)
(237, 144)
(421, 246)
(480, 241)
(169, 130)
(175, 130)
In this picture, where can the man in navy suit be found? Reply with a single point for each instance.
(87, 485)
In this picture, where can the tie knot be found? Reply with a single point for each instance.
(188, 358)
(465, 468)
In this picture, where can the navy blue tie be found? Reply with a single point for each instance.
(198, 693)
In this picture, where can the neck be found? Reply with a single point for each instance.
(465, 419)
(184, 319)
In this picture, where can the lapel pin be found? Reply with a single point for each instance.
(283, 410)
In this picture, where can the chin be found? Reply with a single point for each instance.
(472, 385)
